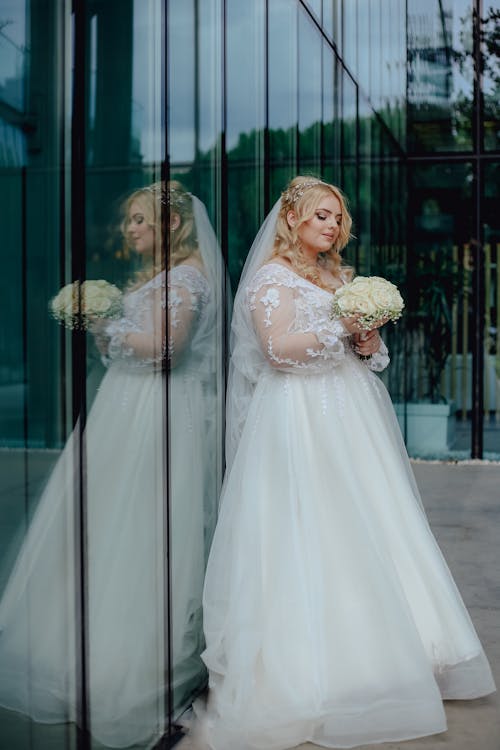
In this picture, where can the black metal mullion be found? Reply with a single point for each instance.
(167, 552)
(297, 96)
(267, 155)
(477, 247)
(78, 366)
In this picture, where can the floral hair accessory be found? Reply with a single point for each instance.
(292, 195)
(171, 196)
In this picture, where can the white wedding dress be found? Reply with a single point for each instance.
(126, 496)
(330, 614)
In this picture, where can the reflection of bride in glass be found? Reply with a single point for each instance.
(126, 487)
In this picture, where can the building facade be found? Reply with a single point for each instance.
(395, 101)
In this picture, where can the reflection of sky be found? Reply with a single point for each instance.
(310, 82)
(282, 65)
(14, 12)
(12, 42)
(245, 73)
(181, 45)
(146, 79)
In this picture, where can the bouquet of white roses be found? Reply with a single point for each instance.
(372, 298)
(76, 304)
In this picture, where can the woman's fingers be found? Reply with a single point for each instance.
(367, 344)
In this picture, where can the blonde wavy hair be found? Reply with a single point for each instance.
(182, 240)
(303, 196)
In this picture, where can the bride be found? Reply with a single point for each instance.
(126, 484)
(330, 614)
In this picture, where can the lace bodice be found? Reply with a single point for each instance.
(186, 293)
(291, 317)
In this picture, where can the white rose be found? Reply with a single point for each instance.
(99, 297)
(365, 305)
(382, 297)
(96, 304)
(353, 301)
(360, 285)
(66, 301)
(345, 301)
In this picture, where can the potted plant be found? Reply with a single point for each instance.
(432, 287)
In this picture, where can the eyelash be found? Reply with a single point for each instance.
(338, 219)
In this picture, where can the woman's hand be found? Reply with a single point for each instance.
(352, 324)
(367, 343)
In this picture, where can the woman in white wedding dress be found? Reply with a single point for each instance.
(330, 614)
(126, 478)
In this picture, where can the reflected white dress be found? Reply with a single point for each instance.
(125, 453)
(330, 614)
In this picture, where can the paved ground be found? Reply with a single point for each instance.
(463, 505)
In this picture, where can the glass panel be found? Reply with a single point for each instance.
(283, 103)
(402, 70)
(315, 6)
(491, 73)
(125, 479)
(440, 75)
(331, 131)
(309, 93)
(349, 160)
(492, 311)
(350, 34)
(337, 25)
(197, 284)
(182, 46)
(245, 126)
(38, 621)
(439, 308)
(377, 46)
(14, 54)
(327, 22)
(364, 214)
(363, 44)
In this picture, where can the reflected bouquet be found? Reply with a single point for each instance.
(371, 298)
(75, 305)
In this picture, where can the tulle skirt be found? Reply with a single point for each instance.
(330, 614)
(126, 485)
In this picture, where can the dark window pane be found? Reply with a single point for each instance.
(439, 315)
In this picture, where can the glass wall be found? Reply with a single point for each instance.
(453, 158)
(112, 377)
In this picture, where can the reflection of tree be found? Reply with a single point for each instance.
(432, 287)
(245, 176)
(441, 79)
(488, 62)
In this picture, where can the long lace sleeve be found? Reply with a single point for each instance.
(293, 330)
(380, 360)
(139, 336)
(142, 337)
(187, 295)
